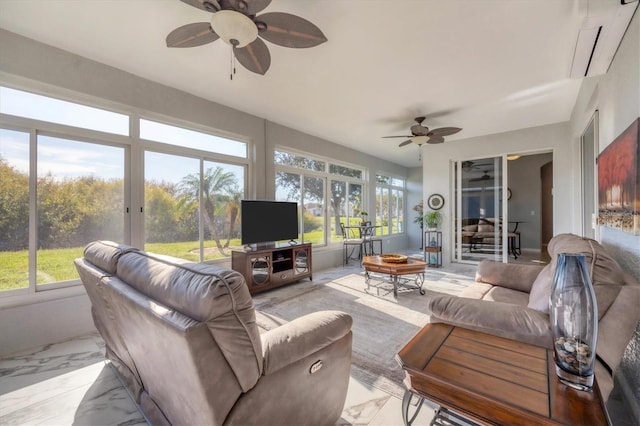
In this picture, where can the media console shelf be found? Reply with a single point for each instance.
(264, 269)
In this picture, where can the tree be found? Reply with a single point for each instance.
(338, 197)
(233, 208)
(216, 185)
(14, 208)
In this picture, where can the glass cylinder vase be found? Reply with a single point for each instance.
(574, 321)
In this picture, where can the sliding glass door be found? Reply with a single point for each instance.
(479, 210)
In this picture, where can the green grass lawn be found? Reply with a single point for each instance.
(56, 265)
(53, 265)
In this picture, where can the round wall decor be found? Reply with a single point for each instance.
(435, 201)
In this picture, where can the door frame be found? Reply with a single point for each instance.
(594, 124)
(456, 220)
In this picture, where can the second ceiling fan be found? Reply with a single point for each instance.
(422, 134)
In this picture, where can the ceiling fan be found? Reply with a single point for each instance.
(485, 176)
(236, 23)
(422, 134)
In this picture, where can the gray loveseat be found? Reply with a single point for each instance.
(512, 301)
(184, 337)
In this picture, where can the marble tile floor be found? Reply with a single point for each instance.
(70, 383)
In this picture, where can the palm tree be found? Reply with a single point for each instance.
(216, 184)
(233, 208)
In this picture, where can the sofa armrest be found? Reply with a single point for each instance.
(301, 337)
(499, 319)
(509, 275)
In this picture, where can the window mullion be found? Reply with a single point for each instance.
(33, 209)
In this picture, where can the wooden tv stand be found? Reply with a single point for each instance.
(267, 268)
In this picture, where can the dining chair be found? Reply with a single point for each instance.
(349, 243)
(369, 237)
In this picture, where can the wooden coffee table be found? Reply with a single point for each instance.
(395, 271)
(492, 380)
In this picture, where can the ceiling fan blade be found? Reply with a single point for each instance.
(445, 131)
(435, 139)
(289, 30)
(256, 6)
(407, 136)
(407, 142)
(254, 56)
(208, 6)
(191, 35)
(248, 7)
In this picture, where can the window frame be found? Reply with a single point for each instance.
(134, 148)
(388, 189)
(328, 178)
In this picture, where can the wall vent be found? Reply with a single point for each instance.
(599, 37)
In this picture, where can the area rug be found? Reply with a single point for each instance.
(382, 325)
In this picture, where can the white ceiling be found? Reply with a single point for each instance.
(487, 66)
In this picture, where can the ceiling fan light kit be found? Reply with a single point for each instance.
(234, 28)
(236, 23)
(419, 140)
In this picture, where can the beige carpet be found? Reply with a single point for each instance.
(381, 325)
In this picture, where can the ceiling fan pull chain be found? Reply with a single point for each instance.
(232, 70)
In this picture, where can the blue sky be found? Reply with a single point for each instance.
(64, 158)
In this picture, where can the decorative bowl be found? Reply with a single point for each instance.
(394, 258)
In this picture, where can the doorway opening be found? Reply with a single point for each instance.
(504, 208)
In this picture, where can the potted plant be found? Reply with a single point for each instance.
(363, 216)
(433, 219)
(420, 218)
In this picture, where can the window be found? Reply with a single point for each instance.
(80, 198)
(14, 209)
(58, 193)
(37, 107)
(308, 192)
(304, 178)
(181, 204)
(390, 196)
(179, 136)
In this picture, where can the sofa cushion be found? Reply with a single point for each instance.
(541, 289)
(470, 228)
(475, 290)
(506, 295)
(508, 320)
(485, 228)
(510, 275)
(605, 273)
(105, 254)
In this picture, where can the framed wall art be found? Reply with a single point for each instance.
(619, 182)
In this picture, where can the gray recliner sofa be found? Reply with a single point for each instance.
(512, 300)
(185, 339)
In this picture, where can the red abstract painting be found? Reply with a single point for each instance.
(619, 182)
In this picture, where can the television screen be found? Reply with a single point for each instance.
(268, 221)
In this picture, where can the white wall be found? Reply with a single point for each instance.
(414, 196)
(616, 95)
(525, 203)
(437, 165)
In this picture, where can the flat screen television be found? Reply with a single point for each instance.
(265, 222)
